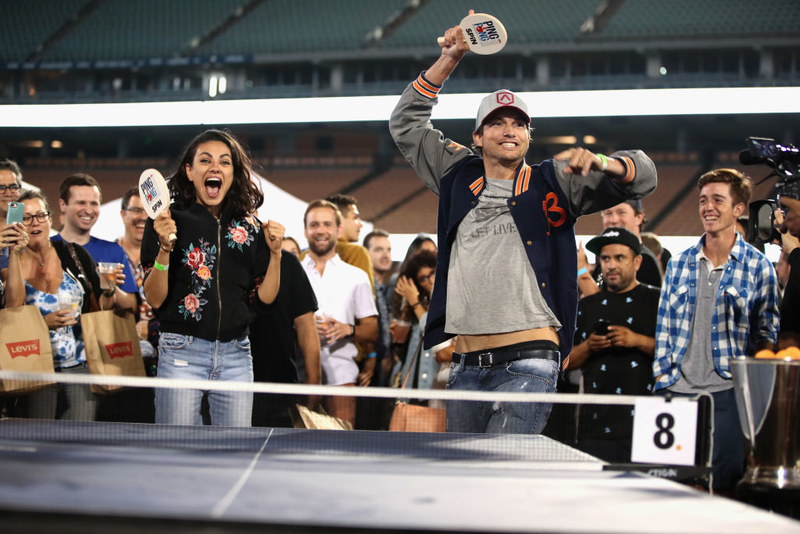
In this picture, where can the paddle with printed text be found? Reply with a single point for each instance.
(154, 193)
(483, 33)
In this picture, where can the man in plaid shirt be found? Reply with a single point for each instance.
(719, 300)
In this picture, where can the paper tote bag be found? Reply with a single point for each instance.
(24, 346)
(112, 346)
(414, 418)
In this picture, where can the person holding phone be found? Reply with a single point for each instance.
(614, 344)
(10, 187)
(59, 279)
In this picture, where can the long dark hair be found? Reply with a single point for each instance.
(243, 198)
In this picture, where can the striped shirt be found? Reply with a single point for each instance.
(745, 314)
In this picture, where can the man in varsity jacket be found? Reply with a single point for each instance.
(507, 268)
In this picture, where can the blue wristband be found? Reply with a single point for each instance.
(583, 270)
(372, 355)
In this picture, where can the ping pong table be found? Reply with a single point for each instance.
(127, 477)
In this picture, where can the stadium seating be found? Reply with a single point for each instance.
(655, 18)
(26, 24)
(287, 26)
(124, 30)
(526, 21)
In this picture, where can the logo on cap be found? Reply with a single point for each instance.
(505, 99)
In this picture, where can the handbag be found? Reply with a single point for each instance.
(24, 346)
(112, 346)
(412, 417)
(109, 337)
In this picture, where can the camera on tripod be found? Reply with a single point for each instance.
(784, 161)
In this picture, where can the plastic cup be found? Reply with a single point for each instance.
(68, 301)
(108, 275)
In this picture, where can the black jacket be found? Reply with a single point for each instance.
(213, 271)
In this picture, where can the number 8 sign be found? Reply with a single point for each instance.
(664, 432)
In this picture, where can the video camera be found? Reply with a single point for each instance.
(784, 161)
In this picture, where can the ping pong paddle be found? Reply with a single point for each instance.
(154, 193)
(483, 33)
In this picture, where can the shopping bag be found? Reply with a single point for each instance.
(112, 346)
(24, 346)
(412, 417)
(304, 417)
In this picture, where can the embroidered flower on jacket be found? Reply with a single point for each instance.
(192, 306)
(195, 257)
(204, 272)
(238, 235)
(200, 260)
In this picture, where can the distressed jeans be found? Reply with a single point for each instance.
(188, 357)
(531, 375)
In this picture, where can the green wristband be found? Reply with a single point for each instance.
(604, 159)
(160, 267)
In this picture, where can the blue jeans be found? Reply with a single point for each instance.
(532, 375)
(188, 357)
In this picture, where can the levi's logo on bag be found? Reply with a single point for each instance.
(23, 348)
(120, 350)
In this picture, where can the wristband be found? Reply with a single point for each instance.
(372, 355)
(582, 270)
(414, 305)
(160, 267)
(109, 292)
(354, 330)
(604, 159)
(165, 249)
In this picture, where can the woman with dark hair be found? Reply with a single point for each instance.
(203, 285)
(415, 286)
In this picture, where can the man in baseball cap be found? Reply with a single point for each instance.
(614, 344)
(506, 269)
(502, 99)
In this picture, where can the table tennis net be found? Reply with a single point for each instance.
(122, 411)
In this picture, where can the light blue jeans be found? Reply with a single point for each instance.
(531, 375)
(188, 357)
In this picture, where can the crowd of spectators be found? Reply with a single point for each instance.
(346, 314)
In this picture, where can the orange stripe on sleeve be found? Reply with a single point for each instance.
(421, 90)
(630, 170)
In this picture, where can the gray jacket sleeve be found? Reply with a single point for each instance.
(597, 191)
(430, 154)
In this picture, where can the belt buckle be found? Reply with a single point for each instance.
(481, 359)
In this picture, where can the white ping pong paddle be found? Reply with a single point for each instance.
(154, 193)
(483, 33)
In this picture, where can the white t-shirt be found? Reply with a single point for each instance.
(344, 293)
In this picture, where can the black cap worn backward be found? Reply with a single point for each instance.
(614, 236)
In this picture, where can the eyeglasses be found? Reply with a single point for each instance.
(135, 211)
(42, 217)
(423, 279)
(14, 188)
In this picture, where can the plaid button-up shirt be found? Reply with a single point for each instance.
(746, 310)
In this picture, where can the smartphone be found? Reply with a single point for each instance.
(15, 212)
(601, 327)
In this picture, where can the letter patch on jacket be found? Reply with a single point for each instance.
(556, 215)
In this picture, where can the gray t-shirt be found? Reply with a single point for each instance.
(697, 366)
(491, 286)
